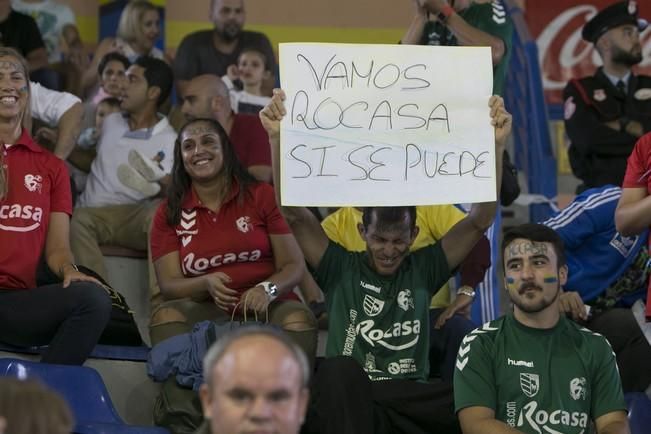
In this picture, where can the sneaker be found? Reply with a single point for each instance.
(148, 168)
(129, 177)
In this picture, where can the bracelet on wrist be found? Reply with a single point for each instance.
(62, 267)
(466, 290)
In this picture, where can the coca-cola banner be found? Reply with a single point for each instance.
(563, 54)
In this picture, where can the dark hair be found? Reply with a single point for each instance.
(111, 101)
(538, 233)
(112, 56)
(158, 74)
(181, 182)
(387, 216)
(254, 51)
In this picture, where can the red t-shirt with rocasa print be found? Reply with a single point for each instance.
(39, 184)
(234, 240)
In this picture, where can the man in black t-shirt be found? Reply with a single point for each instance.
(213, 51)
(20, 31)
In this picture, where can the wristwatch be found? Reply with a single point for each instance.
(270, 288)
(466, 290)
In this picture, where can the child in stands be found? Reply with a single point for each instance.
(250, 71)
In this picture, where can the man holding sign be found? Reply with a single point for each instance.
(374, 378)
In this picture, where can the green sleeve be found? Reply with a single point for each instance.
(607, 395)
(432, 260)
(489, 20)
(474, 380)
(329, 271)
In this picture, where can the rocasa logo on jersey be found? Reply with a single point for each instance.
(199, 265)
(548, 422)
(26, 212)
(396, 330)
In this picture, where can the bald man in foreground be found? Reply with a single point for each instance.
(255, 381)
(206, 96)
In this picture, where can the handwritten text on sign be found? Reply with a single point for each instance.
(386, 125)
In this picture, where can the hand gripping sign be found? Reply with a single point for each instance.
(374, 125)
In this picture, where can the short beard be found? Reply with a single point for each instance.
(230, 32)
(626, 58)
(542, 305)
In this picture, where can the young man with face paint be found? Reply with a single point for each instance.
(534, 370)
(374, 378)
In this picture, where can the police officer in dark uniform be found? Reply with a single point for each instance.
(606, 113)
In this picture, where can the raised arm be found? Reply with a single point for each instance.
(414, 33)
(307, 230)
(466, 34)
(458, 242)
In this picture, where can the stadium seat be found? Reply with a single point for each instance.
(84, 391)
(639, 412)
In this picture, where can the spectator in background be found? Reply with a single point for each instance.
(51, 17)
(233, 365)
(250, 72)
(29, 407)
(117, 204)
(449, 321)
(206, 96)
(35, 204)
(62, 113)
(111, 74)
(465, 23)
(138, 31)
(82, 158)
(606, 113)
(20, 31)
(607, 272)
(213, 51)
(535, 371)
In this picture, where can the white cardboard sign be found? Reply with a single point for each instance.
(386, 125)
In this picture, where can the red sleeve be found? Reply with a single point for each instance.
(266, 204)
(61, 193)
(258, 152)
(163, 236)
(636, 167)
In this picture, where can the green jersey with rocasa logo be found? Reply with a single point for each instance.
(382, 322)
(538, 381)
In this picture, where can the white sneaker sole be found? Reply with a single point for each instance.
(134, 180)
(146, 167)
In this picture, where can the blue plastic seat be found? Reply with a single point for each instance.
(85, 392)
(639, 412)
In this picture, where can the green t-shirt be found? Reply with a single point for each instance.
(382, 322)
(487, 17)
(549, 381)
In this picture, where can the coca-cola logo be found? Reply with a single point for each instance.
(565, 31)
(562, 53)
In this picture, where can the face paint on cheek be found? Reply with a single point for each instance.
(550, 279)
(23, 89)
(510, 283)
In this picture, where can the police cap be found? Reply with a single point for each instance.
(613, 16)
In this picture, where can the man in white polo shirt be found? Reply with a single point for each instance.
(134, 159)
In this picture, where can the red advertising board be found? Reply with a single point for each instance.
(556, 26)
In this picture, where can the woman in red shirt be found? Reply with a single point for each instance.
(220, 244)
(35, 208)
